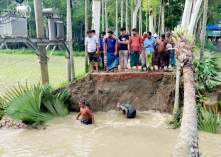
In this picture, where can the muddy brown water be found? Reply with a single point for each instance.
(112, 136)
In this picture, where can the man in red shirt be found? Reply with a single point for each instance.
(135, 49)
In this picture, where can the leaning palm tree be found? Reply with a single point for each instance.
(187, 142)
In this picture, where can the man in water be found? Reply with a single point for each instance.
(86, 114)
(127, 109)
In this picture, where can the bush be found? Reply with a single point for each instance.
(208, 120)
(207, 71)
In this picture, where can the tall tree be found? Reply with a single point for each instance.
(126, 18)
(106, 16)
(187, 141)
(116, 18)
(102, 12)
(135, 10)
(203, 28)
(122, 13)
(162, 16)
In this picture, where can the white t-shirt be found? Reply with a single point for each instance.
(91, 43)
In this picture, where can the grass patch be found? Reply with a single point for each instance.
(28, 51)
(16, 68)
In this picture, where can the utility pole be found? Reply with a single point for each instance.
(70, 62)
(86, 28)
(40, 34)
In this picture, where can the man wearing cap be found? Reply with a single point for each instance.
(127, 109)
(86, 114)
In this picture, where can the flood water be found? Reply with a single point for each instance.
(112, 136)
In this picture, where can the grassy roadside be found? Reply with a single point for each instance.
(28, 51)
(24, 68)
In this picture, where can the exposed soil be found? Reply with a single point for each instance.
(103, 91)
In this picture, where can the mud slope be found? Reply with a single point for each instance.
(103, 91)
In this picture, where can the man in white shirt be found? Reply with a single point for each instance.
(91, 49)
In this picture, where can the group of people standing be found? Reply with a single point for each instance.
(148, 51)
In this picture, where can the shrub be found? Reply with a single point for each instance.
(208, 45)
(208, 120)
(207, 71)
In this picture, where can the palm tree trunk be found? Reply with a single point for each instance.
(162, 17)
(116, 18)
(137, 6)
(194, 16)
(187, 144)
(140, 22)
(146, 20)
(159, 20)
(102, 12)
(96, 7)
(154, 21)
(126, 19)
(86, 28)
(151, 21)
(131, 13)
(203, 28)
(122, 13)
(106, 17)
(186, 13)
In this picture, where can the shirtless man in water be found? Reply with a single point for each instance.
(86, 114)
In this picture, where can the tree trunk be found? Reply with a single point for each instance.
(151, 21)
(194, 16)
(140, 22)
(106, 17)
(203, 28)
(126, 19)
(102, 12)
(116, 18)
(147, 19)
(135, 13)
(197, 25)
(86, 28)
(131, 13)
(162, 17)
(122, 13)
(96, 7)
(154, 21)
(186, 13)
(187, 143)
(159, 20)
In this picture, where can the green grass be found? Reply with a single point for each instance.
(28, 51)
(27, 69)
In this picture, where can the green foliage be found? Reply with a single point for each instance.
(176, 121)
(219, 105)
(35, 104)
(25, 104)
(207, 71)
(208, 120)
(208, 45)
(2, 106)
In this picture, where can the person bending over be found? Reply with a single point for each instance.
(86, 114)
(127, 109)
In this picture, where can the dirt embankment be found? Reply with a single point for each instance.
(103, 91)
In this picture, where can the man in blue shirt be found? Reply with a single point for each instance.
(123, 41)
(127, 109)
(110, 49)
(149, 44)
